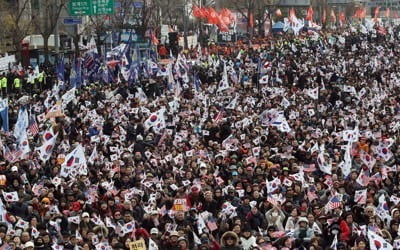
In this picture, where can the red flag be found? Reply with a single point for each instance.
(310, 13)
(363, 13)
(357, 13)
(226, 16)
(212, 16)
(251, 21)
(153, 38)
(381, 30)
(196, 11)
(376, 14)
(333, 16)
(324, 16)
(342, 17)
(278, 12)
(387, 13)
(292, 15)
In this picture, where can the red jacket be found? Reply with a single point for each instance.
(345, 231)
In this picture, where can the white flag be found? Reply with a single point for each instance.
(313, 93)
(232, 104)
(360, 196)
(10, 196)
(156, 121)
(49, 141)
(68, 97)
(152, 245)
(376, 242)
(22, 123)
(74, 161)
(94, 155)
(223, 84)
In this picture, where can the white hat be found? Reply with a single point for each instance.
(85, 214)
(303, 219)
(29, 244)
(14, 169)
(154, 231)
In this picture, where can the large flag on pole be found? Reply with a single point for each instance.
(126, 59)
(22, 123)
(60, 70)
(75, 77)
(4, 113)
(75, 162)
(49, 142)
(310, 13)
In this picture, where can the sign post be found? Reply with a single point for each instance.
(72, 20)
(91, 7)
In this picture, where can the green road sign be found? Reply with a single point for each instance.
(91, 7)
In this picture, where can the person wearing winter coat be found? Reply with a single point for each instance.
(275, 217)
(255, 219)
(230, 241)
(302, 230)
(247, 241)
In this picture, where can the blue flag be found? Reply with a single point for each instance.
(91, 63)
(75, 75)
(4, 114)
(259, 66)
(197, 82)
(107, 75)
(60, 70)
(126, 59)
(78, 74)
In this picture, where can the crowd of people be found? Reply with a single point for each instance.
(289, 145)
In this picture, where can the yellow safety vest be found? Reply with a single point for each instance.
(40, 77)
(17, 83)
(4, 82)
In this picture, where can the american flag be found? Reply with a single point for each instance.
(311, 195)
(33, 127)
(333, 203)
(7, 154)
(16, 154)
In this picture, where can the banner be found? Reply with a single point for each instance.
(137, 245)
(5, 61)
(180, 205)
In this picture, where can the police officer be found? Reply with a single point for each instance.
(17, 85)
(41, 79)
(31, 80)
(3, 84)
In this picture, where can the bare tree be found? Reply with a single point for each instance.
(256, 9)
(16, 23)
(122, 17)
(45, 19)
(263, 11)
(144, 20)
(99, 25)
(170, 12)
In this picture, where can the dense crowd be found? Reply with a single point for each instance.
(292, 144)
